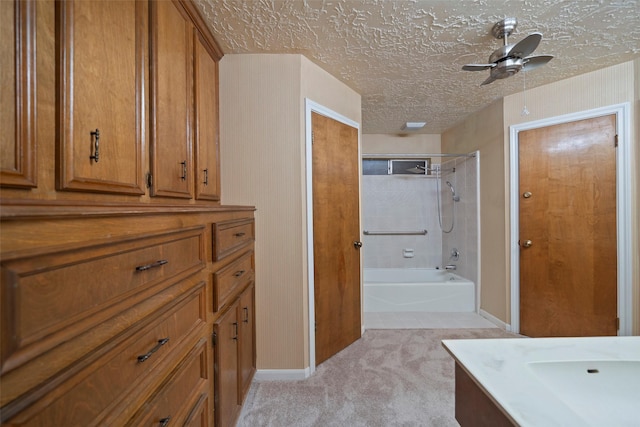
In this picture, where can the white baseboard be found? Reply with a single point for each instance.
(491, 318)
(282, 374)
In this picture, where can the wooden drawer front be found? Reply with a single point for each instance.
(52, 297)
(227, 281)
(181, 394)
(230, 236)
(92, 396)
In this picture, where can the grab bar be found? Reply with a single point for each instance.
(395, 233)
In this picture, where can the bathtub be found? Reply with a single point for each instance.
(416, 289)
(592, 381)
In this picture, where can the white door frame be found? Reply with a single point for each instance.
(313, 107)
(623, 207)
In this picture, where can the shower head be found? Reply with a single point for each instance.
(451, 187)
(456, 198)
(417, 169)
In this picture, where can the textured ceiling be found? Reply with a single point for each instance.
(405, 57)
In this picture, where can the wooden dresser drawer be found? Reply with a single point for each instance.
(93, 395)
(228, 281)
(48, 298)
(183, 394)
(230, 236)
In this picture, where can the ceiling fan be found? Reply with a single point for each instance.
(510, 58)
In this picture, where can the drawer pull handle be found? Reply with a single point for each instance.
(246, 315)
(147, 355)
(239, 234)
(235, 330)
(152, 265)
(96, 146)
(206, 177)
(164, 422)
(239, 273)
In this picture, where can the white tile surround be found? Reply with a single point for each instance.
(408, 203)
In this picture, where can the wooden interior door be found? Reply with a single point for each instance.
(568, 244)
(336, 235)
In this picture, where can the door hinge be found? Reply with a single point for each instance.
(214, 339)
(616, 141)
(617, 323)
(149, 180)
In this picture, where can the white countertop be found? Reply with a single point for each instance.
(544, 381)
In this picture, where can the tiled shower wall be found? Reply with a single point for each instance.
(408, 203)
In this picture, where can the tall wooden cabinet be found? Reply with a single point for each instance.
(121, 271)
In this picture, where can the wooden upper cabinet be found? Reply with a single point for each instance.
(17, 94)
(207, 161)
(171, 100)
(100, 102)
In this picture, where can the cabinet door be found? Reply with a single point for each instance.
(101, 51)
(17, 93)
(171, 100)
(206, 120)
(246, 343)
(226, 367)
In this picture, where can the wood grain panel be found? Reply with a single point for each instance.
(230, 279)
(171, 100)
(101, 61)
(230, 236)
(18, 94)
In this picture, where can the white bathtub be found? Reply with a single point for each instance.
(416, 289)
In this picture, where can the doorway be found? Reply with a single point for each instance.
(619, 120)
(333, 218)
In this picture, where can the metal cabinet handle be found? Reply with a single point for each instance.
(164, 422)
(239, 273)
(235, 331)
(148, 354)
(239, 234)
(184, 170)
(152, 265)
(206, 177)
(246, 315)
(96, 146)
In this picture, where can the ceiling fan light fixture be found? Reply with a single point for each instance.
(410, 126)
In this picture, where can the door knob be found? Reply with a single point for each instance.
(527, 243)
(357, 244)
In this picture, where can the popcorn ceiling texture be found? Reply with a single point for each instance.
(405, 57)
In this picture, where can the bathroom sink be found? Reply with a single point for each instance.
(602, 392)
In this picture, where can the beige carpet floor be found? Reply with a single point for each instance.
(387, 378)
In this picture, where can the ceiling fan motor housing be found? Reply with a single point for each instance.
(506, 66)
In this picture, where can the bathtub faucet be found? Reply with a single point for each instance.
(450, 267)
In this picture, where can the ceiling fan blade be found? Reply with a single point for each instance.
(489, 80)
(477, 67)
(526, 46)
(532, 62)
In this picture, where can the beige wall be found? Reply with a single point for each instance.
(400, 144)
(483, 131)
(262, 133)
(612, 85)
